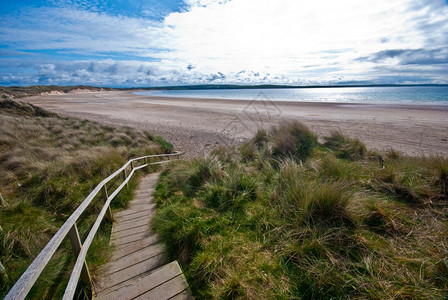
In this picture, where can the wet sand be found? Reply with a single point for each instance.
(196, 126)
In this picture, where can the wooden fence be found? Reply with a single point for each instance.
(80, 269)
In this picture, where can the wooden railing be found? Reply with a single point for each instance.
(80, 269)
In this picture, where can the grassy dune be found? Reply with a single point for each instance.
(283, 216)
(19, 91)
(48, 165)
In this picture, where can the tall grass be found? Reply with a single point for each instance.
(283, 217)
(345, 147)
(293, 139)
(49, 164)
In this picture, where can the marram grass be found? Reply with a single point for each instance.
(267, 221)
(48, 165)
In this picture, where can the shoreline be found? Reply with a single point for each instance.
(412, 106)
(198, 125)
(389, 103)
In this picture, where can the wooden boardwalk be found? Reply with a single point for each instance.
(139, 268)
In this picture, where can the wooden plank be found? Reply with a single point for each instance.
(144, 195)
(134, 210)
(150, 248)
(139, 202)
(129, 239)
(135, 270)
(133, 216)
(147, 192)
(121, 251)
(136, 219)
(122, 214)
(132, 259)
(128, 225)
(130, 231)
(166, 290)
(139, 285)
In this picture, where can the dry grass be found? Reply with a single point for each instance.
(49, 164)
(19, 91)
(331, 224)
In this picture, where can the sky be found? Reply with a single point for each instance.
(178, 42)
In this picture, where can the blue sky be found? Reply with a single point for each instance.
(152, 43)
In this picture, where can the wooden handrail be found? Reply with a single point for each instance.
(29, 277)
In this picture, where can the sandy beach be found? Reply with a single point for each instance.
(197, 126)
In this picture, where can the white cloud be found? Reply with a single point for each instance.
(237, 41)
(73, 29)
(285, 36)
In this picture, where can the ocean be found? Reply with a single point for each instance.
(417, 95)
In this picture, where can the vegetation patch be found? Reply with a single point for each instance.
(20, 91)
(345, 147)
(284, 217)
(48, 165)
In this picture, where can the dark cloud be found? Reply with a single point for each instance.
(409, 56)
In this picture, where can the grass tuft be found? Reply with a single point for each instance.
(293, 140)
(326, 203)
(229, 193)
(400, 191)
(442, 172)
(345, 147)
(380, 221)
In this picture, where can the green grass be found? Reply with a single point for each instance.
(265, 220)
(49, 164)
(345, 147)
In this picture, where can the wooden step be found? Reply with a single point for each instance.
(134, 210)
(121, 251)
(132, 259)
(138, 268)
(131, 271)
(130, 238)
(126, 226)
(130, 231)
(151, 285)
(133, 216)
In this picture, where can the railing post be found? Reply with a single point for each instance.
(125, 176)
(75, 241)
(132, 165)
(109, 215)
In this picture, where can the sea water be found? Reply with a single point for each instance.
(418, 95)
